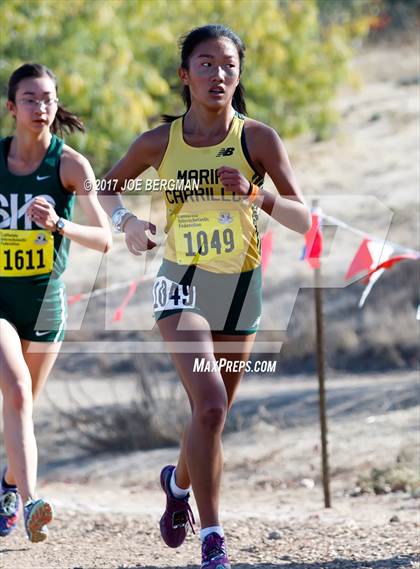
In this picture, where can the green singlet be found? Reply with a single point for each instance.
(32, 259)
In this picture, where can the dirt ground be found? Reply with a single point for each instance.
(108, 507)
(336, 540)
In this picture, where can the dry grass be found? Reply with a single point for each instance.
(381, 336)
(153, 418)
(402, 476)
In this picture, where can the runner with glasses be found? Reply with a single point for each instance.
(36, 103)
(208, 289)
(39, 179)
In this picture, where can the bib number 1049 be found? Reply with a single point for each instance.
(169, 295)
(219, 243)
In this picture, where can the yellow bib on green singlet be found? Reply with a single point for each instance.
(206, 224)
(26, 253)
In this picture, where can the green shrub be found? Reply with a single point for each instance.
(116, 62)
(402, 476)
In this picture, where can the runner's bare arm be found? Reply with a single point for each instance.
(74, 171)
(147, 150)
(269, 155)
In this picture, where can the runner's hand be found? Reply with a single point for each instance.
(233, 180)
(43, 214)
(135, 235)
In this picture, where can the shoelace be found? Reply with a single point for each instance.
(213, 546)
(8, 503)
(184, 516)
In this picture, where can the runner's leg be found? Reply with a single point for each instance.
(230, 379)
(203, 448)
(16, 387)
(40, 358)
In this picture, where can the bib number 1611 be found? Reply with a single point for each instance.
(28, 260)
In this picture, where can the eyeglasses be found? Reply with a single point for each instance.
(35, 103)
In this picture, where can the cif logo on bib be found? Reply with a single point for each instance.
(11, 211)
(41, 239)
(225, 218)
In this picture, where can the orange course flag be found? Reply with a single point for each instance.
(371, 260)
(313, 243)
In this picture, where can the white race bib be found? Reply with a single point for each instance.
(169, 295)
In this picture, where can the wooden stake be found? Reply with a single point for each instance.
(320, 357)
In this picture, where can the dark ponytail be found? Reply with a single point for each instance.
(64, 121)
(187, 45)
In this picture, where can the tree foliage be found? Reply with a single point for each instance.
(116, 61)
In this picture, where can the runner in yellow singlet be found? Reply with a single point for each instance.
(212, 161)
(39, 179)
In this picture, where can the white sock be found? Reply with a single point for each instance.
(212, 529)
(175, 489)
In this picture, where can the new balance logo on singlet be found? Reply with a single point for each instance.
(225, 152)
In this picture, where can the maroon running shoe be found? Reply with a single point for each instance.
(178, 514)
(214, 554)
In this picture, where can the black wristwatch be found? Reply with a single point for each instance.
(59, 226)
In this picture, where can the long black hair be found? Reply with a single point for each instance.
(189, 42)
(64, 120)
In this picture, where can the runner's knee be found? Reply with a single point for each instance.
(17, 393)
(212, 417)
